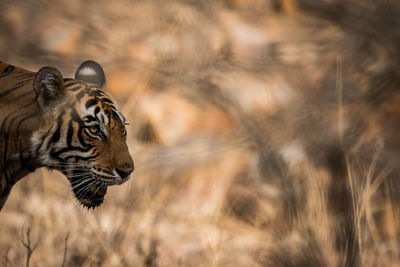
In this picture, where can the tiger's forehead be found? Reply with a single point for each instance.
(93, 101)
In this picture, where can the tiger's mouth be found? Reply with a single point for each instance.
(90, 193)
(89, 188)
(94, 197)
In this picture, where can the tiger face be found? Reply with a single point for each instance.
(84, 136)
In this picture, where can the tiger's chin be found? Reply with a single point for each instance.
(93, 197)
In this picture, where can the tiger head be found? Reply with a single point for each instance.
(84, 134)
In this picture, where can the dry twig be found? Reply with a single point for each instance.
(6, 260)
(65, 250)
(27, 244)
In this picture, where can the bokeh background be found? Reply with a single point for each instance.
(264, 133)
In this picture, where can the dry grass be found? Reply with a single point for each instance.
(264, 133)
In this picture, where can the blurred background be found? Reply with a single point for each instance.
(264, 133)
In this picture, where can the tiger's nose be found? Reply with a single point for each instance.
(124, 173)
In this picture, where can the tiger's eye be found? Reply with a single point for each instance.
(94, 129)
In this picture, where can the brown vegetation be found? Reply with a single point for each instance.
(264, 133)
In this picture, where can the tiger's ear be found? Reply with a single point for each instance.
(48, 86)
(91, 72)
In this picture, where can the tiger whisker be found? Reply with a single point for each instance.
(80, 182)
(73, 168)
(79, 175)
(86, 189)
(73, 176)
(83, 190)
(66, 164)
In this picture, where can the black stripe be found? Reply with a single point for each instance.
(75, 117)
(73, 83)
(77, 158)
(3, 125)
(80, 95)
(73, 89)
(93, 92)
(7, 71)
(107, 100)
(80, 137)
(55, 137)
(70, 133)
(91, 102)
(25, 118)
(6, 136)
(89, 118)
(116, 114)
(3, 94)
(24, 161)
(2, 129)
(108, 114)
(25, 75)
(57, 154)
(57, 134)
(25, 94)
(23, 82)
(72, 148)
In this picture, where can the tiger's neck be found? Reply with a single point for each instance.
(17, 157)
(16, 161)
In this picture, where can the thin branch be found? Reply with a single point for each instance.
(6, 260)
(65, 249)
(27, 244)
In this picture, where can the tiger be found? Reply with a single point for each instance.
(65, 124)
